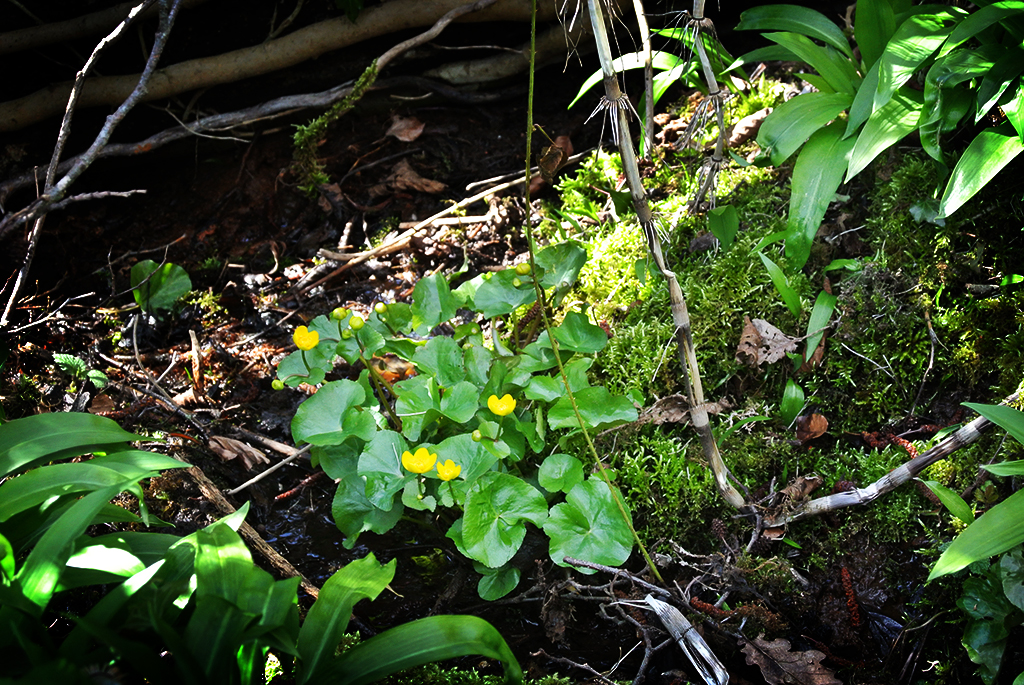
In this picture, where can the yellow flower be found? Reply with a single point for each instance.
(448, 470)
(503, 407)
(305, 339)
(421, 462)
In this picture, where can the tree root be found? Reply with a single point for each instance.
(288, 51)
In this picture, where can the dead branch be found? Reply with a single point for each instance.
(304, 44)
(895, 478)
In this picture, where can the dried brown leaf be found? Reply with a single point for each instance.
(229, 448)
(780, 666)
(405, 129)
(404, 177)
(763, 343)
(810, 426)
(801, 488)
(747, 127)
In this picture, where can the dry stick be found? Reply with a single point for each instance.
(895, 478)
(53, 193)
(680, 314)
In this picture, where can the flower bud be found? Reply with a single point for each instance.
(356, 322)
(523, 269)
(277, 384)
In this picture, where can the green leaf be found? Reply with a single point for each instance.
(999, 529)
(70, 364)
(561, 263)
(459, 403)
(498, 294)
(796, 19)
(579, 335)
(310, 366)
(497, 584)
(789, 295)
(434, 638)
(724, 224)
(820, 315)
(328, 617)
(875, 25)
(952, 501)
(441, 357)
(792, 402)
(52, 437)
(981, 19)
(419, 404)
(598, 408)
(158, 287)
(497, 506)
(836, 69)
(97, 378)
(471, 456)
(354, 514)
(816, 177)
(1009, 419)
(334, 414)
(889, 124)
(560, 473)
(1008, 468)
(988, 153)
(432, 303)
(380, 465)
(1011, 568)
(589, 526)
(792, 123)
(914, 41)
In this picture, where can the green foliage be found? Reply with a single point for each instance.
(158, 286)
(969, 63)
(77, 369)
(451, 411)
(199, 597)
(994, 604)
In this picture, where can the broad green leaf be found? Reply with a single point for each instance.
(820, 315)
(52, 437)
(792, 402)
(380, 465)
(1013, 108)
(789, 295)
(863, 102)
(562, 263)
(460, 402)
(545, 388)
(1003, 74)
(328, 617)
(888, 125)
(560, 473)
(434, 638)
(598, 408)
(796, 19)
(419, 404)
(875, 25)
(589, 526)
(659, 60)
(7, 563)
(999, 529)
(579, 335)
(499, 295)
(952, 501)
(836, 69)
(441, 357)
(354, 514)
(981, 19)
(70, 364)
(1007, 468)
(817, 174)
(471, 456)
(1011, 568)
(158, 287)
(792, 123)
(988, 153)
(724, 224)
(432, 303)
(496, 585)
(985, 635)
(334, 414)
(1009, 419)
(915, 40)
(497, 507)
(309, 366)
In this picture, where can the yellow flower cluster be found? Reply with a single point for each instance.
(422, 461)
(305, 339)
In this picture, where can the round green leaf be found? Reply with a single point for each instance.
(560, 472)
(599, 409)
(589, 526)
(333, 414)
(158, 287)
(496, 585)
(380, 465)
(497, 507)
(579, 335)
(441, 357)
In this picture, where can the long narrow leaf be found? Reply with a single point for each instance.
(1008, 468)
(816, 177)
(915, 41)
(1009, 419)
(987, 154)
(435, 638)
(824, 305)
(875, 25)
(789, 295)
(56, 436)
(796, 19)
(887, 126)
(999, 529)
(791, 123)
(981, 20)
(952, 501)
(838, 70)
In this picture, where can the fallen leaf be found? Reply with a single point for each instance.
(747, 127)
(404, 177)
(763, 343)
(101, 404)
(554, 157)
(406, 129)
(780, 666)
(229, 448)
(801, 488)
(810, 426)
(676, 409)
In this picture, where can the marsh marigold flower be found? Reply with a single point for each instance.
(503, 407)
(305, 339)
(420, 462)
(449, 470)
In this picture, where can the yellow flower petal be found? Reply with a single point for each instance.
(449, 470)
(503, 407)
(420, 462)
(305, 339)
